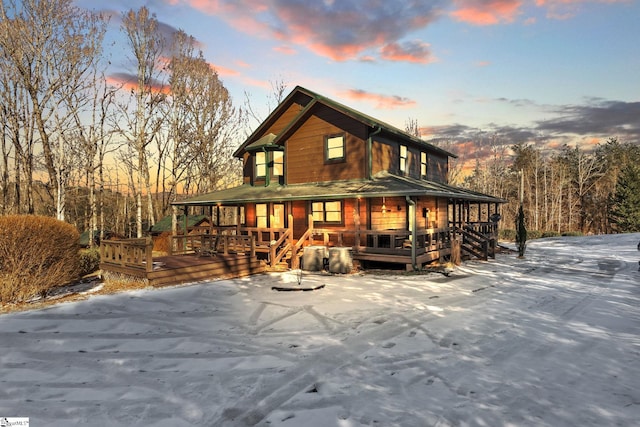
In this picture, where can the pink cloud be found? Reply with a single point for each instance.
(415, 51)
(482, 12)
(381, 101)
(339, 30)
(285, 50)
(129, 82)
(224, 71)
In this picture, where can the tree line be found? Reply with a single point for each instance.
(99, 152)
(570, 189)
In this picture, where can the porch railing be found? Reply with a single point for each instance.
(379, 241)
(219, 243)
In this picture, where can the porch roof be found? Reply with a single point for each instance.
(382, 185)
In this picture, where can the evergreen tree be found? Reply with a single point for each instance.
(521, 233)
(625, 202)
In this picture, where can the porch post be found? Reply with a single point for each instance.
(174, 228)
(414, 234)
(356, 220)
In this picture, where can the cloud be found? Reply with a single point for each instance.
(340, 30)
(565, 9)
(224, 71)
(414, 51)
(599, 118)
(380, 101)
(285, 50)
(486, 12)
(129, 81)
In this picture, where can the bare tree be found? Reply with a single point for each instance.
(279, 88)
(204, 124)
(47, 47)
(144, 123)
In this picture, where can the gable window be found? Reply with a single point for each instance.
(334, 147)
(261, 164)
(278, 163)
(327, 211)
(423, 165)
(403, 158)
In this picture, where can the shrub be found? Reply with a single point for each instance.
(550, 234)
(89, 261)
(37, 253)
(534, 234)
(508, 235)
(573, 233)
(162, 242)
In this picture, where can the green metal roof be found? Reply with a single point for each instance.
(383, 184)
(264, 142)
(165, 223)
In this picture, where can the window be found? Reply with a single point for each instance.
(334, 147)
(327, 211)
(261, 164)
(403, 158)
(278, 163)
(423, 165)
(261, 215)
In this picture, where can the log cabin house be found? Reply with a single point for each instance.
(318, 173)
(321, 182)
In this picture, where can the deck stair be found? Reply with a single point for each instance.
(476, 244)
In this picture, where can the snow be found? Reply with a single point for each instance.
(549, 340)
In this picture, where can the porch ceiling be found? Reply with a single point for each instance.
(382, 185)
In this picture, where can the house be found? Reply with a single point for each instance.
(318, 173)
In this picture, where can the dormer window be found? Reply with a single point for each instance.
(261, 164)
(334, 148)
(278, 163)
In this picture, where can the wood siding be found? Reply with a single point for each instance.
(437, 167)
(437, 215)
(305, 149)
(386, 157)
(392, 218)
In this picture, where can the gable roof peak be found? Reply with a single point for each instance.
(314, 98)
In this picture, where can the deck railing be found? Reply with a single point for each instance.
(130, 253)
(218, 243)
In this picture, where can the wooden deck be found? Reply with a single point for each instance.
(176, 269)
(133, 258)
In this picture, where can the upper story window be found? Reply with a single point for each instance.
(269, 164)
(278, 163)
(327, 211)
(423, 165)
(334, 148)
(261, 164)
(403, 158)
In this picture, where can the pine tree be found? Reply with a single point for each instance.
(521, 233)
(625, 202)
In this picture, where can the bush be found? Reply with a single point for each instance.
(550, 234)
(508, 235)
(89, 261)
(534, 234)
(37, 253)
(573, 233)
(162, 242)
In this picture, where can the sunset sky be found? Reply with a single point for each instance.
(543, 71)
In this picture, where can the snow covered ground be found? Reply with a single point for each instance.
(551, 340)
